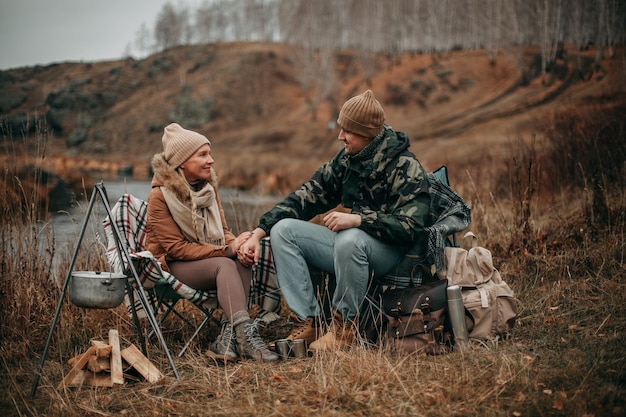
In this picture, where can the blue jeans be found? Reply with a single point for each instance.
(351, 254)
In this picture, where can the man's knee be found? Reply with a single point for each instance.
(350, 241)
(283, 227)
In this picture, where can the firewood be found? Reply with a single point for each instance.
(102, 349)
(78, 366)
(97, 364)
(72, 361)
(137, 360)
(92, 367)
(98, 380)
(117, 375)
(78, 380)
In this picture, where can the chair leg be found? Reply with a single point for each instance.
(193, 336)
(170, 307)
(177, 314)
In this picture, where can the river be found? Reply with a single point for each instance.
(242, 210)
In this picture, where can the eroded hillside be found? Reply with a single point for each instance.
(250, 100)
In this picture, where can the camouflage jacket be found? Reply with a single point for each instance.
(389, 190)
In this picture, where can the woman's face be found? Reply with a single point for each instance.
(198, 166)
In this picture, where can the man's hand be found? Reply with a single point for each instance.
(337, 220)
(240, 240)
(250, 251)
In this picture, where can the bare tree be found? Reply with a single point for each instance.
(577, 23)
(203, 23)
(315, 37)
(494, 23)
(550, 12)
(169, 28)
(614, 23)
(319, 28)
(142, 40)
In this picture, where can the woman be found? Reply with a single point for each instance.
(188, 234)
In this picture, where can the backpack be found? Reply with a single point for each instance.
(416, 319)
(490, 304)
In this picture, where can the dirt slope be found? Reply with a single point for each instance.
(247, 98)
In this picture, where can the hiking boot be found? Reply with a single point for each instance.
(309, 331)
(224, 348)
(340, 334)
(250, 344)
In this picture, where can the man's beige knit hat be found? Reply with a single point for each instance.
(362, 115)
(179, 144)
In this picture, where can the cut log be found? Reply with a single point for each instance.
(102, 349)
(72, 361)
(137, 360)
(78, 366)
(117, 375)
(97, 364)
(98, 380)
(78, 380)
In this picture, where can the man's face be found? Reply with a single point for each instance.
(353, 142)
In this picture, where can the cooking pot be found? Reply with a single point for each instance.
(96, 289)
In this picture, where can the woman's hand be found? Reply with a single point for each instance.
(245, 260)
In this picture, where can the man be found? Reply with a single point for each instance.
(384, 190)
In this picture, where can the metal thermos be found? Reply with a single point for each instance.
(457, 314)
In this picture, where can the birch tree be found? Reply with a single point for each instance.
(169, 28)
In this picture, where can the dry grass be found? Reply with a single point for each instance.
(565, 356)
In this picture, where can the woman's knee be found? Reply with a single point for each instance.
(226, 270)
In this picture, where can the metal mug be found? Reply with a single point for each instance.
(283, 348)
(298, 348)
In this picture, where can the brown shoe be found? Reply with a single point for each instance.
(250, 344)
(340, 334)
(309, 330)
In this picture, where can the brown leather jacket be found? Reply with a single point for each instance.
(164, 238)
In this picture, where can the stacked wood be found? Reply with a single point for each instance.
(102, 364)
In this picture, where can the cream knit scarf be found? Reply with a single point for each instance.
(200, 223)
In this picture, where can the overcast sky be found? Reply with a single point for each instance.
(41, 32)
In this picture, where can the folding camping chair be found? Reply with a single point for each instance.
(161, 288)
(449, 215)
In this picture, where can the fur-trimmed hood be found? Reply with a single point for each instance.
(165, 175)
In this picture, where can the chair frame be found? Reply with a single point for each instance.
(169, 303)
(161, 302)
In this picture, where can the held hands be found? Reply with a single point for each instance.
(337, 221)
(250, 251)
(240, 240)
(236, 247)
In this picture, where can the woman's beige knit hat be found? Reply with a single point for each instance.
(179, 144)
(362, 115)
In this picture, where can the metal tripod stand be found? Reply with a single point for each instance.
(124, 254)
